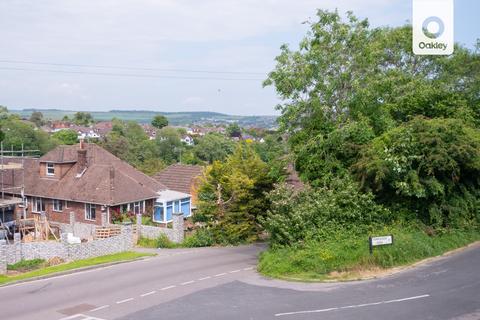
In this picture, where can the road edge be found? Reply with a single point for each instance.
(72, 271)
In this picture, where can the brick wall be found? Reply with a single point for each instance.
(78, 208)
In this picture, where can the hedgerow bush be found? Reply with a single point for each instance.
(428, 167)
(295, 217)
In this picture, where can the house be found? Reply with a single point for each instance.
(187, 140)
(92, 184)
(181, 178)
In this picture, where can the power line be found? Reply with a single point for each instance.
(129, 68)
(130, 74)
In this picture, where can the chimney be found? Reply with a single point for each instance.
(81, 158)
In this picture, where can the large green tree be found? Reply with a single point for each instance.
(159, 121)
(83, 118)
(66, 136)
(232, 196)
(347, 74)
(212, 147)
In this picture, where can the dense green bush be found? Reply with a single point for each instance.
(429, 167)
(200, 238)
(295, 217)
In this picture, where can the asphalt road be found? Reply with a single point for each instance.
(220, 283)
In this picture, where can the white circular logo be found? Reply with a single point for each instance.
(427, 25)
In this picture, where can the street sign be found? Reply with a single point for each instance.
(379, 241)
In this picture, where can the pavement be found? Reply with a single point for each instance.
(221, 283)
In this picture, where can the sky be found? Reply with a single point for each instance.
(166, 55)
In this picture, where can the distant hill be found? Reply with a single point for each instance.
(174, 118)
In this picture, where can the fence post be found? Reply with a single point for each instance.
(3, 257)
(139, 225)
(178, 228)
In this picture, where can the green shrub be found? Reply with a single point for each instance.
(26, 265)
(296, 217)
(161, 242)
(200, 238)
(429, 167)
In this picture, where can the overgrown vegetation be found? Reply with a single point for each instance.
(388, 141)
(200, 238)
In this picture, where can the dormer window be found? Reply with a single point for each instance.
(50, 169)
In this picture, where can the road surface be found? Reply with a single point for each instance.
(221, 283)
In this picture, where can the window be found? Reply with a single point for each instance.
(50, 169)
(137, 207)
(38, 205)
(158, 213)
(90, 211)
(57, 205)
(169, 211)
(185, 207)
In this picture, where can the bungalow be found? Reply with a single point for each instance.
(181, 178)
(93, 184)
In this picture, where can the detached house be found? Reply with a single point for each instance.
(90, 182)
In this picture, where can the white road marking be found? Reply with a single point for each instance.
(249, 268)
(125, 300)
(166, 288)
(188, 282)
(352, 306)
(235, 271)
(80, 316)
(204, 278)
(220, 274)
(148, 293)
(100, 308)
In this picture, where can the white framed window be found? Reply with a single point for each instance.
(50, 169)
(66, 204)
(38, 205)
(137, 207)
(90, 211)
(57, 205)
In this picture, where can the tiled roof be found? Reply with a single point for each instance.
(107, 179)
(179, 177)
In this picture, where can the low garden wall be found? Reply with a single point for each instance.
(174, 234)
(18, 251)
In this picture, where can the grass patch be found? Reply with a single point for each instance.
(316, 261)
(26, 265)
(122, 256)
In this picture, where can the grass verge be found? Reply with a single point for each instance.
(117, 257)
(345, 257)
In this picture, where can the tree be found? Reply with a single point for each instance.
(82, 118)
(37, 118)
(346, 74)
(18, 134)
(234, 130)
(159, 121)
(213, 147)
(66, 136)
(169, 144)
(232, 197)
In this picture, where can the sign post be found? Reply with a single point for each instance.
(379, 241)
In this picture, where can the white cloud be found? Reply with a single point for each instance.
(182, 34)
